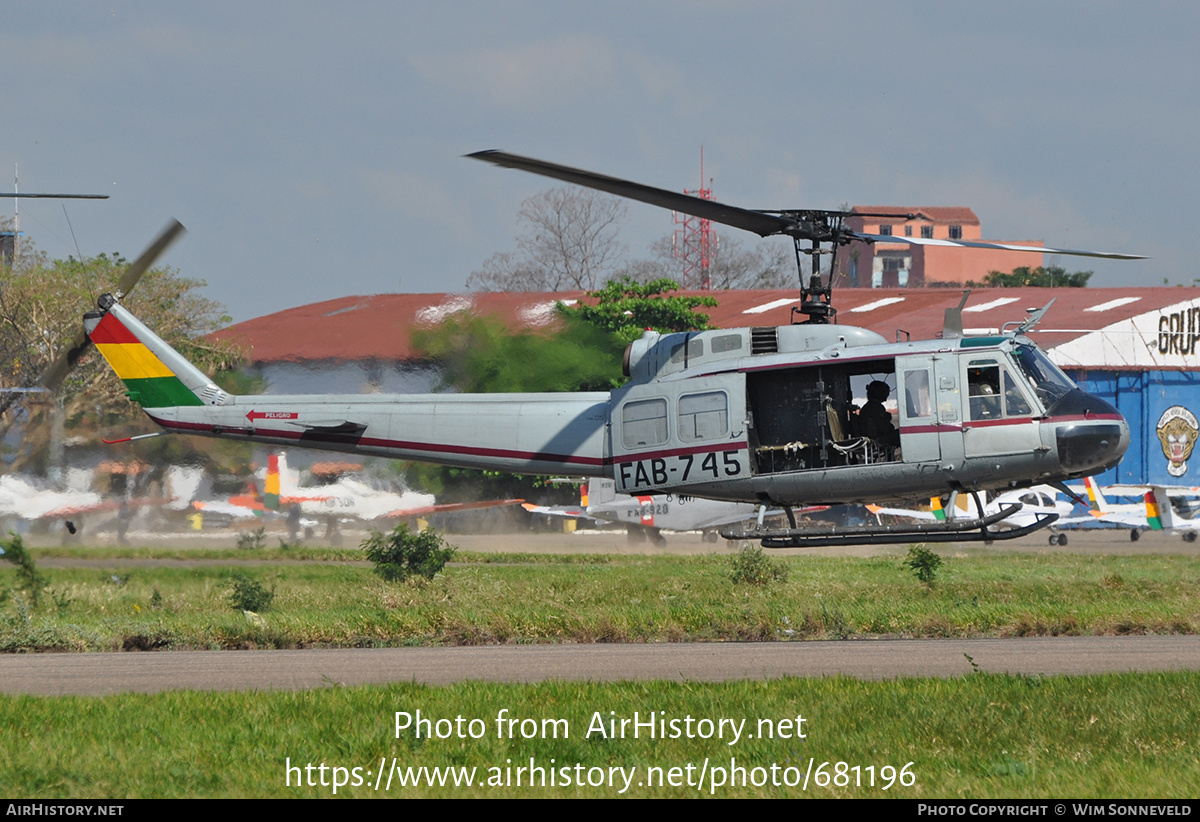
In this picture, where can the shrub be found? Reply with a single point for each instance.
(249, 540)
(400, 554)
(754, 567)
(249, 595)
(923, 563)
(30, 579)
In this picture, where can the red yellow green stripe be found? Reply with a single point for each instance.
(1153, 515)
(271, 486)
(148, 379)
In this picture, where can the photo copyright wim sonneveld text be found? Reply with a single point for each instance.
(711, 775)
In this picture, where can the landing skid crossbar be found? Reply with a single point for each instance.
(951, 530)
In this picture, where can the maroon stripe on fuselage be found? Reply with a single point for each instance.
(938, 427)
(677, 452)
(371, 442)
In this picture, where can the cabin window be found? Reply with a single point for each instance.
(918, 401)
(726, 342)
(693, 350)
(644, 422)
(703, 416)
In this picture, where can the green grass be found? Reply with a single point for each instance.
(613, 599)
(978, 736)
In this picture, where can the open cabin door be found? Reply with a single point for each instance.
(689, 432)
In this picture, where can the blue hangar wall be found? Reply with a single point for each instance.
(1162, 409)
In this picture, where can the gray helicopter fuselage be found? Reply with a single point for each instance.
(768, 415)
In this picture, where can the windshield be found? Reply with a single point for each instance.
(1048, 381)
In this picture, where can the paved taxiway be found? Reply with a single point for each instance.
(99, 673)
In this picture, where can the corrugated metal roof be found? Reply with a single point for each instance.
(380, 327)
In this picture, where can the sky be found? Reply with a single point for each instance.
(314, 150)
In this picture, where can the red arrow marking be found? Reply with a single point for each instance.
(272, 415)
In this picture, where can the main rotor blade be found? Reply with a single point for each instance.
(889, 238)
(52, 378)
(25, 196)
(762, 224)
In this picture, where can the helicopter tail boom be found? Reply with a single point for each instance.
(527, 433)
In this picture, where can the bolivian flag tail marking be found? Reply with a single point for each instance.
(150, 382)
(935, 505)
(271, 486)
(1153, 516)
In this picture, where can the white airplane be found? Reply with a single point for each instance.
(25, 499)
(345, 498)
(646, 516)
(1156, 511)
(1036, 505)
(1126, 515)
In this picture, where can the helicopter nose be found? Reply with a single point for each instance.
(1092, 435)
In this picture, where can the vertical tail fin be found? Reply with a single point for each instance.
(1096, 501)
(1162, 508)
(155, 375)
(271, 485)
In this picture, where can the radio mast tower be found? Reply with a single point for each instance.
(695, 240)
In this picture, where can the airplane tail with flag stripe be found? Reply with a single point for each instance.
(1097, 504)
(1159, 514)
(155, 375)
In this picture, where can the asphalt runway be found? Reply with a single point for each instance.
(98, 674)
(614, 541)
(147, 672)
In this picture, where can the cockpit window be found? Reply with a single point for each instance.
(993, 393)
(1050, 383)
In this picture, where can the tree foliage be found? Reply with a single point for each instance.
(1054, 276)
(42, 302)
(482, 355)
(625, 308)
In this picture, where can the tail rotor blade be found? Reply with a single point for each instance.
(143, 263)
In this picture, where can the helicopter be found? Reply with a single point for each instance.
(768, 416)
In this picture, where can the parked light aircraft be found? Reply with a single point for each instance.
(752, 415)
(1128, 515)
(647, 516)
(29, 500)
(344, 498)
(1156, 512)
(1028, 506)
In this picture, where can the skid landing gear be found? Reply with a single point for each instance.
(951, 530)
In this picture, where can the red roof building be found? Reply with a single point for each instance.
(900, 265)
